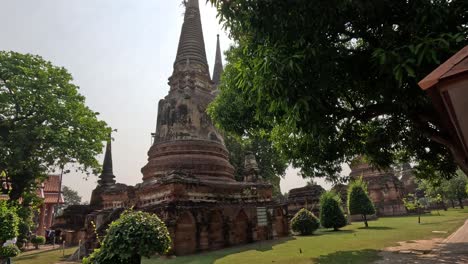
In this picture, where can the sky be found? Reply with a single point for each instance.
(120, 53)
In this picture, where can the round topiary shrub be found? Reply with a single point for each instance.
(38, 240)
(133, 235)
(9, 251)
(304, 222)
(331, 213)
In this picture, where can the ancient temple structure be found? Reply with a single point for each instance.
(307, 197)
(385, 189)
(188, 180)
(110, 194)
(409, 180)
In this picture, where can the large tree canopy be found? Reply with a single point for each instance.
(44, 122)
(329, 80)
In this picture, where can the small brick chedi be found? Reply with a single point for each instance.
(385, 189)
(188, 180)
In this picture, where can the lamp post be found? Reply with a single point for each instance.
(447, 86)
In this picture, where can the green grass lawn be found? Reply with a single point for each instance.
(44, 257)
(353, 244)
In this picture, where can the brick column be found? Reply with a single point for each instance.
(50, 216)
(40, 229)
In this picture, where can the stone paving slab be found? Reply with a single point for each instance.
(453, 249)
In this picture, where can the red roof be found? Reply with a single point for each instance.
(52, 184)
(457, 64)
(51, 198)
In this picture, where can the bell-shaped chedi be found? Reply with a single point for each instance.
(186, 139)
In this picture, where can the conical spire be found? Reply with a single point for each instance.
(107, 176)
(218, 67)
(191, 48)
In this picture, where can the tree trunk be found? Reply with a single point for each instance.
(365, 221)
(444, 206)
(419, 215)
(453, 203)
(335, 229)
(460, 201)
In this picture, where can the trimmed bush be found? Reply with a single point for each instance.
(304, 222)
(38, 240)
(9, 251)
(331, 213)
(359, 201)
(133, 235)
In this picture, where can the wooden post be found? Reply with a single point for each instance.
(63, 248)
(79, 249)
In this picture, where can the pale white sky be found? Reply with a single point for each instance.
(120, 53)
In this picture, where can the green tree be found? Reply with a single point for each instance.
(44, 122)
(9, 222)
(271, 162)
(434, 191)
(70, 196)
(305, 222)
(329, 80)
(456, 188)
(331, 213)
(359, 201)
(133, 235)
(413, 203)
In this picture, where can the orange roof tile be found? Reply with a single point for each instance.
(51, 198)
(52, 184)
(457, 64)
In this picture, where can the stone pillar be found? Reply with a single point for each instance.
(204, 238)
(40, 229)
(50, 216)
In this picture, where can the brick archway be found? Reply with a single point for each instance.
(215, 229)
(185, 235)
(240, 230)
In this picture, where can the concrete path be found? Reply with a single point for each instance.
(454, 249)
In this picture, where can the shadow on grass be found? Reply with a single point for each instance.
(349, 257)
(210, 257)
(29, 255)
(36, 255)
(339, 232)
(376, 228)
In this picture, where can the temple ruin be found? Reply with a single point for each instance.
(307, 197)
(188, 180)
(385, 189)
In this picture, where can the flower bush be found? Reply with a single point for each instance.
(9, 251)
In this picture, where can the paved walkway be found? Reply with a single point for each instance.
(454, 249)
